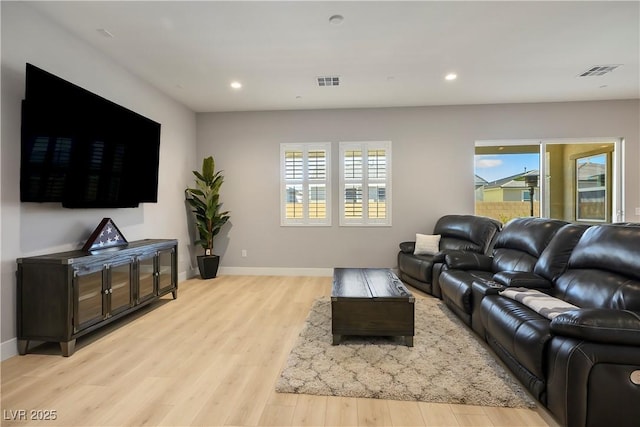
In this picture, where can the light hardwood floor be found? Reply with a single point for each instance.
(209, 358)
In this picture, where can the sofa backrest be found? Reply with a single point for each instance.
(555, 257)
(521, 242)
(467, 232)
(603, 269)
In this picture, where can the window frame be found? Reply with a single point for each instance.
(604, 187)
(364, 182)
(306, 182)
(616, 200)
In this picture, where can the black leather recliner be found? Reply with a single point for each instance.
(458, 232)
(550, 265)
(584, 365)
(517, 248)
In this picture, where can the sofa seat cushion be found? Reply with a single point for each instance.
(520, 331)
(455, 286)
(417, 266)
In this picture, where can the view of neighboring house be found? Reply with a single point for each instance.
(510, 197)
(480, 182)
(515, 188)
(591, 177)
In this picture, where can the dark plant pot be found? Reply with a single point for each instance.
(208, 266)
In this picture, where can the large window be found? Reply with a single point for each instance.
(365, 183)
(305, 184)
(571, 180)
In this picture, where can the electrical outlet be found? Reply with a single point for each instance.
(637, 211)
(244, 253)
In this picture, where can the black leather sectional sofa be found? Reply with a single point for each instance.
(582, 362)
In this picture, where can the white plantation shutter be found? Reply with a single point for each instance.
(352, 184)
(377, 183)
(305, 184)
(365, 183)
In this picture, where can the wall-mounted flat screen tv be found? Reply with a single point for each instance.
(82, 150)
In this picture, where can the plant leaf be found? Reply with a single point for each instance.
(204, 200)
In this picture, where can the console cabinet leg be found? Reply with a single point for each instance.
(175, 293)
(337, 339)
(68, 347)
(23, 346)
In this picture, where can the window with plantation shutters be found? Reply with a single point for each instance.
(305, 184)
(365, 183)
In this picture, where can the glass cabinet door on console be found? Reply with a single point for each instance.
(119, 290)
(88, 294)
(166, 270)
(146, 278)
(100, 294)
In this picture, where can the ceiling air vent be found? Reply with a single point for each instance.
(329, 81)
(599, 70)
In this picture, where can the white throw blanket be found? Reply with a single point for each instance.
(541, 303)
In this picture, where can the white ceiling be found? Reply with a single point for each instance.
(386, 53)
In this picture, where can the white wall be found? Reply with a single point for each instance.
(433, 151)
(31, 229)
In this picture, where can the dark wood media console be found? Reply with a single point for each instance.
(65, 295)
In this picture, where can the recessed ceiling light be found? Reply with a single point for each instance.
(451, 76)
(236, 85)
(336, 19)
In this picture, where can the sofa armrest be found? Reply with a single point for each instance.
(599, 325)
(521, 279)
(461, 260)
(442, 255)
(407, 247)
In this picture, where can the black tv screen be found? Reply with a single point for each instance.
(82, 150)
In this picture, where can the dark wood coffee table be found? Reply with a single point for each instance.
(371, 302)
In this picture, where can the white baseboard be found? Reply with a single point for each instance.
(184, 275)
(275, 271)
(9, 349)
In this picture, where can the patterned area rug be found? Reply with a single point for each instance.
(447, 363)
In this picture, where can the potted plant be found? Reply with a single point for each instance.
(204, 200)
